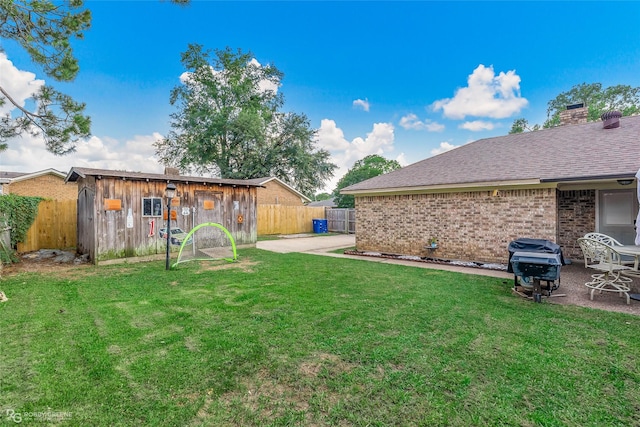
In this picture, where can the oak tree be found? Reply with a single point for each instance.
(368, 167)
(228, 123)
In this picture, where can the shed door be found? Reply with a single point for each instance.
(208, 207)
(617, 210)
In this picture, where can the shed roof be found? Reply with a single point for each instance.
(77, 173)
(564, 153)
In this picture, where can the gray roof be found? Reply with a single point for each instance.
(76, 173)
(564, 153)
(11, 175)
(331, 203)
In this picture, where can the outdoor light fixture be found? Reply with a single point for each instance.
(625, 181)
(169, 193)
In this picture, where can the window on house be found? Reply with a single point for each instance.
(151, 206)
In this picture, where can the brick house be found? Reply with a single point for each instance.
(555, 184)
(274, 191)
(48, 183)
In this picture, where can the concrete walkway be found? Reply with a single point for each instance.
(324, 245)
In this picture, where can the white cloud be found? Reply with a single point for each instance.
(28, 154)
(477, 125)
(402, 159)
(486, 95)
(444, 146)
(362, 103)
(411, 122)
(21, 85)
(345, 153)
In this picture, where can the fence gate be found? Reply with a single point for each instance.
(341, 220)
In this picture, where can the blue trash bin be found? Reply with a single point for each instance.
(320, 226)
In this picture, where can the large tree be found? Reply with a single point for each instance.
(45, 29)
(228, 123)
(598, 100)
(369, 167)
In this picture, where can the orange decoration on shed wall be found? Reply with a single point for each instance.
(174, 215)
(112, 204)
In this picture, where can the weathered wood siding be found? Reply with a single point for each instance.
(233, 206)
(282, 219)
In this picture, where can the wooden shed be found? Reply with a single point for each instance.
(120, 214)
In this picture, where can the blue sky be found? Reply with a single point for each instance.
(402, 79)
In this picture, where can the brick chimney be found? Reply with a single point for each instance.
(574, 115)
(172, 171)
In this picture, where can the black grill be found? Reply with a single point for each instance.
(533, 261)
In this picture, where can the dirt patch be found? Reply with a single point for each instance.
(64, 264)
(245, 264)
(331, 363)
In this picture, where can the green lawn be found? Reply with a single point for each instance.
(296, 339)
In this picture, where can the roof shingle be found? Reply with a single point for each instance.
(571, 152)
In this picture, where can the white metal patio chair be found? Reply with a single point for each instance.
(608, 240)
(605, 259)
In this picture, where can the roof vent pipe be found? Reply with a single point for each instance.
(611, 119)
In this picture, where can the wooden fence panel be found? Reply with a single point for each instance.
(53, 228)
(281, 219)
(341, 220)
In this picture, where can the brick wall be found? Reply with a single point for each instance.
(48, 186)
(276, 194)
(472, 226)
(576, 217)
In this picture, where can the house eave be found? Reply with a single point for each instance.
(593, 178)
(38, 174)
(452, 188)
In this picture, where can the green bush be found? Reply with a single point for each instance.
(18, 213)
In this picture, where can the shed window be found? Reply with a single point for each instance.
(151, 206)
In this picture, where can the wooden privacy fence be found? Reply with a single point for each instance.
(53, 228)
(341, 220)
(281, 219)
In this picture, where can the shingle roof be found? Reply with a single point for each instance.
(9, 175)
(326, 203)
(76, 173)
(564, 153)
(6, 177)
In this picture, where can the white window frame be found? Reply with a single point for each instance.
(154, 201)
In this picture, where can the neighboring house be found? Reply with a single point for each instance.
(120, 214)
(48, 183)
(555, 184)
(328, 203)
(274, 191)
